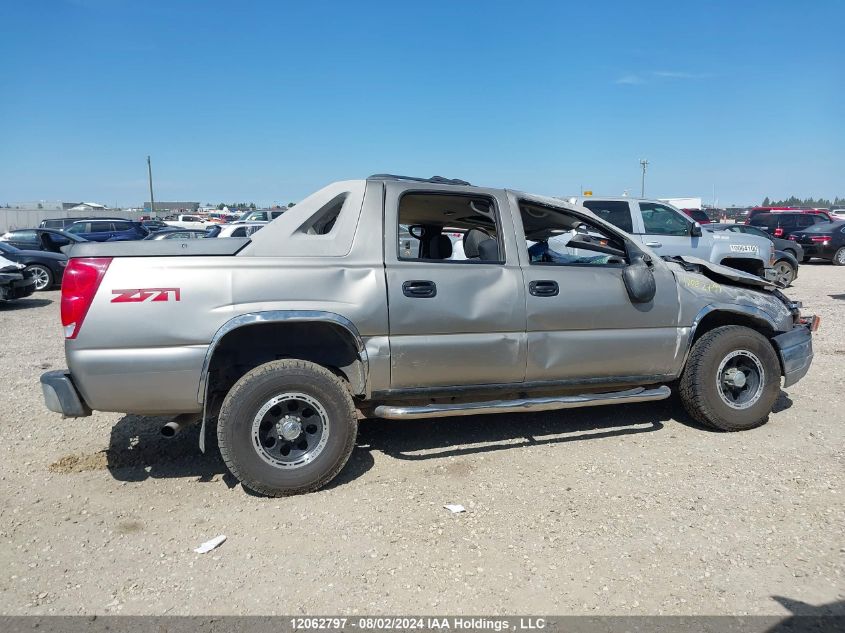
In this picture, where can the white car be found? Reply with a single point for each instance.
(243, 229)
(188, 222)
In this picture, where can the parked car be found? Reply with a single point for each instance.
(825, 241)
(46, 268)
(320, 315)
(755, 211)
(108, 230)
(15, 281)
(699, 215)
(215, 217)
(175, 233)
(782, 225)
(154, 225)
(235, 230)
(779, 243)
(264, 215)
(59, 223)
(188, 222)
(50, 240)
(667, 231)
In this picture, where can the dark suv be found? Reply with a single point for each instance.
(108, 230)
(785, 224)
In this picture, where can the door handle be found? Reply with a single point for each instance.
(544, 288)
(419, 288)
(654, 244)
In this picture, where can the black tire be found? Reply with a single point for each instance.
(241, 433)
(786, 272)
(43, 276)
(805, 259)
(839, 257)
(705, 391)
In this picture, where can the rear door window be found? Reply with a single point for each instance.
(79, 227)
(122, 226)
(101, 227)
(617, 213)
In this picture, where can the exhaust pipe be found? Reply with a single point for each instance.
(175, 426)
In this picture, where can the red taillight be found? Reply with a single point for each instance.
(79, 285)
(778, 232)
(820, 238)
(793, 238)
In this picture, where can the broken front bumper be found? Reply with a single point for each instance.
(61, 395)
(795, 349)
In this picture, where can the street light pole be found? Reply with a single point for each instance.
(644, 163)
(152, 199)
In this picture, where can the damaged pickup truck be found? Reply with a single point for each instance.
(286, 338)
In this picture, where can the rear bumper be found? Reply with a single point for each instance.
(61, 395)
(795, 349)
(819, 250)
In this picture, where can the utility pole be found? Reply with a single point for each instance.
(644, 163)
(152, 199)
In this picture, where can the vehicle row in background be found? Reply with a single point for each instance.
(45, 267)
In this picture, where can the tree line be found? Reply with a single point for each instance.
(793, 201)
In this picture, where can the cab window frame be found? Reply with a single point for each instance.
(610, 229)
(497, 221)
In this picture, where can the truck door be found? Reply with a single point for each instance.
(581, 324)
(668, 232)
(452, 321)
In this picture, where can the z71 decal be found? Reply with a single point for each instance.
(137, 295)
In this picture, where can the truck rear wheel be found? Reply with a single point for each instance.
(287, 427)
(731, 379)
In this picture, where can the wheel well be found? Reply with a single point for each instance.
(244, 348)
(745, 264)
(718, 318)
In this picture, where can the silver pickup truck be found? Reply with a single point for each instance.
(668, 231)
(286, 338)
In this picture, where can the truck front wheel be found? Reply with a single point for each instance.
(731, 379)
(287, 427)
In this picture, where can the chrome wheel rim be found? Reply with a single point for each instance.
(840, 256)
(42, 277)
(740, 379)
(290, 430)
(784, 273)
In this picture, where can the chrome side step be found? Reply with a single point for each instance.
(523, 405)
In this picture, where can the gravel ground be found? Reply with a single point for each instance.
(617, 510)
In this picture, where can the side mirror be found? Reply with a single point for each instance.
(695, 230)
(639, 280)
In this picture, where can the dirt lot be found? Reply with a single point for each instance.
(630, 510)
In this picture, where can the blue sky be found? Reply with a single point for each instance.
(267, 101)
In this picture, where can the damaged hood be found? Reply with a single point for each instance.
(720, 273)
(8, 266)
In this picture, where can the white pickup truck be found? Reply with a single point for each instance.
(188, 222)
(668, 232)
